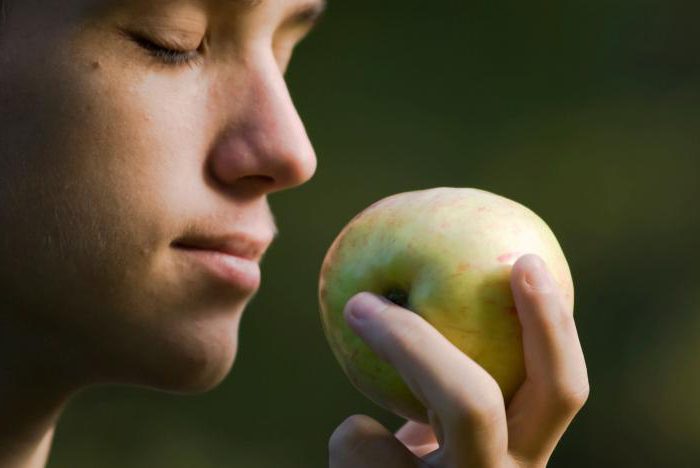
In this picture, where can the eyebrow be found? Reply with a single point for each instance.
(307, 13)
(245, 3)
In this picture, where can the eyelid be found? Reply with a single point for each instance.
(165, 52)
(160, 40)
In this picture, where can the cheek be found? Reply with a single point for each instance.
(107, 169)
(106, 165)
(136, 140)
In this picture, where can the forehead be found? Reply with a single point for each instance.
(6, 5)
(41, 15)
(221, 3)
(304, 10)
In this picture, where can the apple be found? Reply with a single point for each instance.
(445, 254)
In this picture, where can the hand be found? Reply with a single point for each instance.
(469, 423)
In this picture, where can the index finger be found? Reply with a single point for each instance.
(465, 400)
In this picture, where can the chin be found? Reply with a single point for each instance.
(193, 359)
(200, 372)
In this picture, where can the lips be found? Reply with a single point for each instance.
(230, 259)
(237, 245)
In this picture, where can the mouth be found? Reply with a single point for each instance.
(232, 259)
(236, 245)
(239, 273)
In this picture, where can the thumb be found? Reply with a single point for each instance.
(360, 441)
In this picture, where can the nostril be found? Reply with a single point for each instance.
(259, 178)
(251, 186)
(256, 183)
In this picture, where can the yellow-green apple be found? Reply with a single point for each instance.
(446, 254)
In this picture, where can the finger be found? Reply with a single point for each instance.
(466, 402)
(360, 441)
(556, 385)
(419, 438)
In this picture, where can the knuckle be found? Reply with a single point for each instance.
(565, 316)
(467, 416)
(490, 411)
(407, 332)
(555, 315)
(570, 398)
(347, 436)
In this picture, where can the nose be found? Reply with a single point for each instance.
(263, 146)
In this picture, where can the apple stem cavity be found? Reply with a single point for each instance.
(398, 297)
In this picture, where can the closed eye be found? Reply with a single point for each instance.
(166, 54)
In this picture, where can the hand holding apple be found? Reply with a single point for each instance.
(470, 424)
(445, 254)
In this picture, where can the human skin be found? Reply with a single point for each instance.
(446, 253)
(107, 156)
(470, 426)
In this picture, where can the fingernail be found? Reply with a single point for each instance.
(364, 306)
(537, 276)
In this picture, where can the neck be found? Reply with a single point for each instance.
(27, 424)
(33, 393)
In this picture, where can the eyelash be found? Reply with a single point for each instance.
(166, 55)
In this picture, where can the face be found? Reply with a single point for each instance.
(139, 141)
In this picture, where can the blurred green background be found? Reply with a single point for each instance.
(588, 112)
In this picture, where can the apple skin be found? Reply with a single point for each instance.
(450, 251)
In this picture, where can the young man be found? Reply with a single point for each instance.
(138, 143)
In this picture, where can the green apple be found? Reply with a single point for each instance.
(446, 254)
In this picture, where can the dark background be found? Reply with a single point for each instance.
(585, 111)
